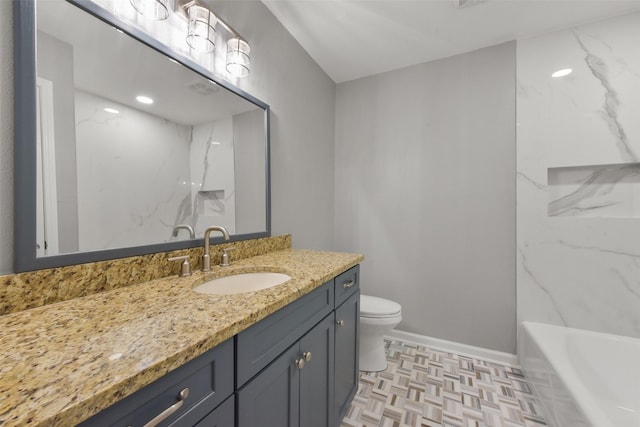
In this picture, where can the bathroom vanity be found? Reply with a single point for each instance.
(285, 371)
(284, 356)
(158, 352)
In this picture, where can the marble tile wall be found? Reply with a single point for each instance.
(578, 144)
(144, 204)
(176, 174)
(37, 288)
(213, 176)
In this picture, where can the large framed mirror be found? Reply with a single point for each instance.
(123, 146)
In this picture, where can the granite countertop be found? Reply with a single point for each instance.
(64, 362)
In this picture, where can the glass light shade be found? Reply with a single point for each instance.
(238, 57)
(152, 9)
(202, 32)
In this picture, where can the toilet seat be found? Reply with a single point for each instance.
(377, 308)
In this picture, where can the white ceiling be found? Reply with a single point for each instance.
(356, 38)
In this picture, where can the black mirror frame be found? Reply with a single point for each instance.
(25, 141)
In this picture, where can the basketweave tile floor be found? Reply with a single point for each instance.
(427, 387)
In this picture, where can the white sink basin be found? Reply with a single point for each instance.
(240, 283)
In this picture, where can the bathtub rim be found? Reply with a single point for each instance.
(582, 398)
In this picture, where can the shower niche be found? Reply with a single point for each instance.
(595, 191)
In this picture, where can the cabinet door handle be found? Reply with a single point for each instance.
(299, 363)
(307, 356)
(348, 284)
(170, 410)
(340, 323)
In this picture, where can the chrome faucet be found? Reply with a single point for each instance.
(206, 258)
(192, 234)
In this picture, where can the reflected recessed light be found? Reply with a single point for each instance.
(562, 73)
(215, 143)
(144, 99)
(111, 110)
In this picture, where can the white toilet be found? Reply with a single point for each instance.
(377, 317)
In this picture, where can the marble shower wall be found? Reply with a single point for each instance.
(133, 175)
(578, 145)
(212, 176)
(167, 174)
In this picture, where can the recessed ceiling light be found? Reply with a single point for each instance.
(562, 73)
(144, 99)
(111, 110)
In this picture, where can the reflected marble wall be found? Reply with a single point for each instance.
(212, 176)
(133, 175)
(577, 271)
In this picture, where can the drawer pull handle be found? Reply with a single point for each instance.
(307, 356)
(340, 323)
(348, 284)
(299, 363)
(170, 410)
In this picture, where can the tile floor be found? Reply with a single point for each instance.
(428, 387)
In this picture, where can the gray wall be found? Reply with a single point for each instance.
(425, 187)
(302, 100)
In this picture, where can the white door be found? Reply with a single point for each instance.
(46, 193)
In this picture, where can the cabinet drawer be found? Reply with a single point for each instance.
(346, 284)
(209, 378)
(258, 345)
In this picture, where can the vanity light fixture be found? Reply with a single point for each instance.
(201, 30)
(144, 99)
(153, 9)
(562, 73)
(238, 57)
(111, 110)
(201, 35)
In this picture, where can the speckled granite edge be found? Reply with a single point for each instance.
(64, 362)
(32, 289)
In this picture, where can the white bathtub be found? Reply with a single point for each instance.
(582, 378)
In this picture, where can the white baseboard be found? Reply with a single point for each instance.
(456, 347)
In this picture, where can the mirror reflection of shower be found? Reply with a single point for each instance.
(139, 149)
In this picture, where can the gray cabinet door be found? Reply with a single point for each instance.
(271, 399)
(347, 344)
(257, 346)
(223, 416)
(316, 377)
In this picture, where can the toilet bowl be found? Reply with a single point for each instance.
(377, 317)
